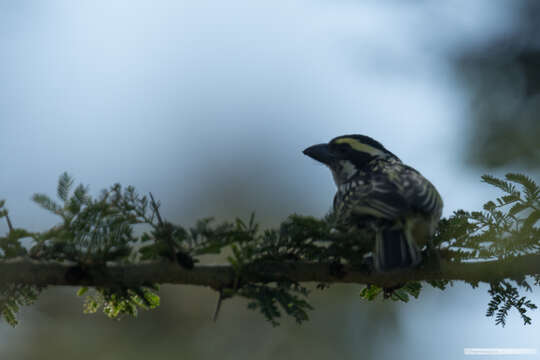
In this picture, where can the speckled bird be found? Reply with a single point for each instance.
(374, 188)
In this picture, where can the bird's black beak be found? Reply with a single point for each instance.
(320, 152)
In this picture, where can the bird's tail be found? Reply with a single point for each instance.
(395, 248)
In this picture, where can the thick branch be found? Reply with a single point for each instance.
(27, 271)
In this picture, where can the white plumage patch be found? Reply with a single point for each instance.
(348, 170)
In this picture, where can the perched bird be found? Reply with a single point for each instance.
(376, 189)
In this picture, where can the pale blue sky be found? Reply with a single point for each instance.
(170, 95)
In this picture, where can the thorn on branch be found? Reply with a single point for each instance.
(218, 306)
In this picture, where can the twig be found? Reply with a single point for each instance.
(218, 306)
(155, 206)
(10, 226)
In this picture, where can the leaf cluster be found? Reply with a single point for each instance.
(13, 296)
(299, 238)
(92, 231)
(504, 297)
(119, 302)
(506, 228)
(95, 231)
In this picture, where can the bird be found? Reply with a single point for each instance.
(376, 189)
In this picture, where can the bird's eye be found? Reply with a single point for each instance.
(341, 148)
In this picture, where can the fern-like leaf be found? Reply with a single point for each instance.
(532, 219)
(532, 190)
(517, 208)
(47, 203)
(64, 185)
(501, 184)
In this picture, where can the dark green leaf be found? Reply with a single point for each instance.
(64, 185)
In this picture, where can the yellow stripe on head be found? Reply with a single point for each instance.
(359, 146)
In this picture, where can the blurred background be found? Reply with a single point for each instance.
(209, 104)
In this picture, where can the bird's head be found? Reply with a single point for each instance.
(346, 155)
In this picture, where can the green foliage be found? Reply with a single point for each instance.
(505, 297)
(94, 231)
(202, 239)
(403, 293)
(439, 284)
(370, 292)
(412, 288)
(119, 302)
(10, 245)
(266, 299)
(13, 296)
(505, 229)
(271, 298)
(3, 211)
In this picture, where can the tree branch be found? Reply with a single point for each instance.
(32, 272)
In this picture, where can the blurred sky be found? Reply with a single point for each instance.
(209, 104)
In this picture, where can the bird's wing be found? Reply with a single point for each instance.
(388, 194)
(421, 195)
